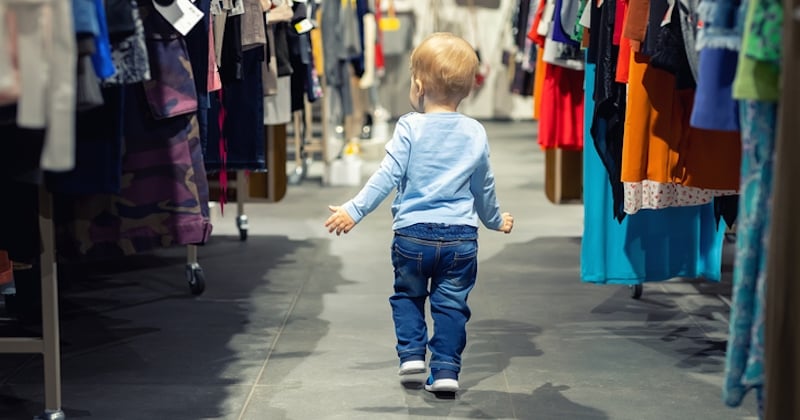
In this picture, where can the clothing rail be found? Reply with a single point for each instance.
(305, 143)
(260, 187)
(48, 344)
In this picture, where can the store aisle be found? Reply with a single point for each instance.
(295, 324)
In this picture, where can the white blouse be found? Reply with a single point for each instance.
(46, 57)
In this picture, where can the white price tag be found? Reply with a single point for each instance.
(303, 26)
(238, 8)
(182, 14)
(216, 8)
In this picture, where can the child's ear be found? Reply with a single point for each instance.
(418, 86)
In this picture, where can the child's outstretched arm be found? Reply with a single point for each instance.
(339, 221)
(378, 186)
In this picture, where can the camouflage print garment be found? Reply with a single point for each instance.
(171, 91)
(163, 199)
(164, 194)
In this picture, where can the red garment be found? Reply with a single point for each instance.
(538, 83)
(532, 34)
(619, 19)
(379, 61)
(6, 273)
(624, 57)
(561, 116)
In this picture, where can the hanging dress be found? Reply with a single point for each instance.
(666, 163)
(646, 246)
(756, 85)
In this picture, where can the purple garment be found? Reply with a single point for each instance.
(558, 31)
(714, 106)
(164, 196)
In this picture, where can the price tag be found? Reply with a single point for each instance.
(182, 14)
(303, 26)
(216, 8)
(238, 8)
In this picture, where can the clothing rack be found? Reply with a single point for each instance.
(48, 345)
(273, 180)
(303, 139)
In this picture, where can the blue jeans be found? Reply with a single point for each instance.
(451, 266)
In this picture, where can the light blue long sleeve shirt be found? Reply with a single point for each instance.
(439, 165)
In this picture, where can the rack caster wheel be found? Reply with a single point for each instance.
(195, 278)
(636, 291)
(243, 225)
(51, 415)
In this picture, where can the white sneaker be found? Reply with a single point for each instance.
(411, 367)
(441, 385)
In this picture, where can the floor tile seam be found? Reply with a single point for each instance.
(508, 394)
(272, 347)
(75, 316)
(66, 384)
(7, 379)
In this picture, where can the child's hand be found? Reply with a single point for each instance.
(508, 223)
(339, 221)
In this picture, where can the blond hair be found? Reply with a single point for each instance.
(446, 65)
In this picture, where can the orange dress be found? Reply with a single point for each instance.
(538, 77)
(663, 153)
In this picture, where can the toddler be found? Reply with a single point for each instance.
(438, 161)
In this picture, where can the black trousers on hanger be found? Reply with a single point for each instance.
(20, 154)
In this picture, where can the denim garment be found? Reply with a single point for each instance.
(242, 125)
(85, 18)
(130, 55)
(452, 267)
(439, 231)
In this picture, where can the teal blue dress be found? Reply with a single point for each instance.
(744, 367)
(651, 245)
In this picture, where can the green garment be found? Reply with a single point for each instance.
(764, 42)
(758, 79)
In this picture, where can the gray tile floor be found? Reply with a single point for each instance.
(295, 324)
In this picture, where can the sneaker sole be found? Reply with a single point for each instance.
(412, 369)
(443, 385)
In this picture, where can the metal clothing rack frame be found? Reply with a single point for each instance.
(303, 139)
(241, 186)
(48, 345)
